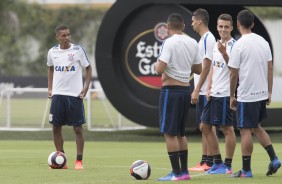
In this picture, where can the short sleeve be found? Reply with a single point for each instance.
(198, 58)
(49, 59)
(234, 60)
(83, 58)
(269, 54)
(209, 44)
(165, 53)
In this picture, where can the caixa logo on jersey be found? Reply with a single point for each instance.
(142, 53)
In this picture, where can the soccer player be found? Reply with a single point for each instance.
(251, 62)
(65, 87)
(217, 112)
(200, 21)
(178, 57)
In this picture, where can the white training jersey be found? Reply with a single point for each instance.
(68, 63)
(180, 52)
(221, 75)
(250, 54)
(205, 44)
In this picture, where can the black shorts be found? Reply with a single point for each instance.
(200, 107)
(250, 114)
(174, 107)
(66, 110)
(217, 112)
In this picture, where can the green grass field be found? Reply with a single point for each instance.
(109, 161)
(108, 155)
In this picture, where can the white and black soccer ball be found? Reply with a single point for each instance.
(140, 170)
(57, 160)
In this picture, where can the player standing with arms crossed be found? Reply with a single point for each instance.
(200, 21)
(179, 55)
(217, 112)
(251, 62)
(65, 88)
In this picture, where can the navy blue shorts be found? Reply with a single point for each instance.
(66, 110)
(250, 114)
(217, 112)
(174, 107)
(200, 107)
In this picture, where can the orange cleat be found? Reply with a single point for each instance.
(78, 165)
(199, 168)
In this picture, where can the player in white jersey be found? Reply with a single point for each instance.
(217, 112)
(65, 88)
(251, 62)
(200, 21)
(179, 57)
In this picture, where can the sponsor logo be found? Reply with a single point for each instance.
(64, 68)
(142, 53)
(218, 64)
(259, 93)
(161, 31)
(71, 57)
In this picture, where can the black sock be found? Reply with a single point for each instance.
(217, 159)
(204, 159)
(209, 160)
(183, 155)
(174, 160)
(79, 157)
(228, 162)
(270, 152)
(62, 151)
(246, 163)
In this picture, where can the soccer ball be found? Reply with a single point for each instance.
(57, 160)
(140, 170)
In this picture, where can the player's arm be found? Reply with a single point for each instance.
(196, 68)
(209, 84)
(50, 80)
(160, 66)
(233, 84)
(88, 76)
(270, 81)
(203, 77)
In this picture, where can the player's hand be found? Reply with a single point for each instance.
(208, 95)
(195, 97)
(49, 93)
(268, 101)
(233, 103)
(221, 47)
(83, 93)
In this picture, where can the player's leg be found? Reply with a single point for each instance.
(172, 150)
(76, 118)
(58, 138)
(230, 145)
(57, 119)
(207, 158)
(171, 100)
(265, 141)
(245, 121)
(79, 139)
(223, 117)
